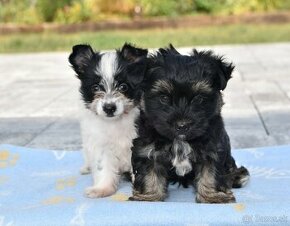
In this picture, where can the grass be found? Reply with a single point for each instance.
(230, 34)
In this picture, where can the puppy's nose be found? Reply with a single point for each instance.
(109, 108)
(182, 126)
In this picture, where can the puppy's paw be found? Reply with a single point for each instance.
(216, 197)
(99, 192)
(147, 197)
(85, 170)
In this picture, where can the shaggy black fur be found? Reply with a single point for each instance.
(181, 136)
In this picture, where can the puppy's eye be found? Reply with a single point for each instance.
(164, 99)
(197, 99)
(123, 87)
(96, 88)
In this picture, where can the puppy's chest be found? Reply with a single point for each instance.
(118, 137)
(183, 156)
(112, 134)
(119, 131)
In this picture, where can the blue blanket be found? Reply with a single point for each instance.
(42, 187)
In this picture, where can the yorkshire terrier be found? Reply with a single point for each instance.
(181, 134)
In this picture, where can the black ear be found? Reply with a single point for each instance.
(136, 72)
(169, 50)
(224, 73)
(133, 54)
(80, 58)
(220, 69)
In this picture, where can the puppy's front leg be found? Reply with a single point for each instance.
(150, 183)
(105, 177)
(208, 188)
(85, 169)
(86, 150)
(149, 187)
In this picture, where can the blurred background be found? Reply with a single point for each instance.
(44, 25)
(39, 92)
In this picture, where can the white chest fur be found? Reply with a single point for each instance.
(109, 140)
(181, 162)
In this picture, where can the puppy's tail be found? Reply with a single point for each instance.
(241, 177)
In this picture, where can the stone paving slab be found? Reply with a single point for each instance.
(39, 98)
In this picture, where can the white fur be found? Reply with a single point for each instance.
(107, 141)
(107, 150)
(181, 163)
(108, 66)
(244, 180)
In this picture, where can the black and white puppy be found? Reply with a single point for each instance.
(110, 93)
(181, 136)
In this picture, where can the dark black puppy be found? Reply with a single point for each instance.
(181, 136)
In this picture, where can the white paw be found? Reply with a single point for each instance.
(98, 192)
(85, 170)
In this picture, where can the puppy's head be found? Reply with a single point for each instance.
(109, 81)
(182, 93)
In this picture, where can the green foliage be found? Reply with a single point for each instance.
(77, 12)
(18, 12)
(28, 16)
(165, 8)
(48, 8)
(240, 6)
(152, 38)
(207, 6)
(74, 11)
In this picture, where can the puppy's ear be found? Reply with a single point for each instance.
(136, 72)
(220, 69)
(224, 73)
(169, 50)
(133, 54)
(80, 58)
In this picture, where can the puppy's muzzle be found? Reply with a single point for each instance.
(109, 109)
(182, 127)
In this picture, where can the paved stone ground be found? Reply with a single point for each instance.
(39, 98)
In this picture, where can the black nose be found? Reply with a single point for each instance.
(182, 127)
(109, 109)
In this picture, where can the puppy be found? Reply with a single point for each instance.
(109, 90)
(181, 136)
